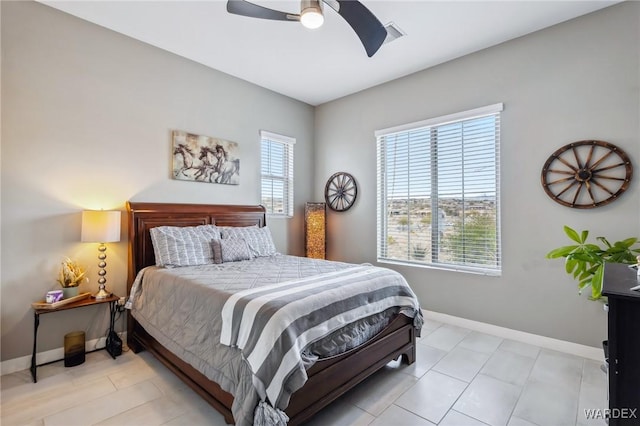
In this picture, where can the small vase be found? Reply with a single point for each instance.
(68, 292)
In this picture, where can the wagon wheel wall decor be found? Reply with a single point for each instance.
(340, 192)
(586, 174)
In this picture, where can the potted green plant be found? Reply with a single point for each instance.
(70, 276)
(585, 261)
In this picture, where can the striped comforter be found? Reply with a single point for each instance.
(272, 324)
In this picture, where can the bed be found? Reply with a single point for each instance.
(326, 380)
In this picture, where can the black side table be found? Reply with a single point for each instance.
(111, 300)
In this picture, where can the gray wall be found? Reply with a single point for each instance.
(86, 121)
(577, 80)
(87, 116)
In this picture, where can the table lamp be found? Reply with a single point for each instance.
(315, 221)
(100, 226)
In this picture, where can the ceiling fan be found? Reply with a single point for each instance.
(368, 28)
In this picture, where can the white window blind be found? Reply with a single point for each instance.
(277, 173)
(439, 192)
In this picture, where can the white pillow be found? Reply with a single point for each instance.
(258, 239)
(183, 246)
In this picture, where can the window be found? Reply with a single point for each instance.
(439, 192)
(277, 173)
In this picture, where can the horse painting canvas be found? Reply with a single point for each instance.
(205, 159)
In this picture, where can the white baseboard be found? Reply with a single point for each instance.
(24, 362)
(520, 336)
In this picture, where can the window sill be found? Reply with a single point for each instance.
(451, 268)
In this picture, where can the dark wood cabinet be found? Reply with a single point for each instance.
(623, 344)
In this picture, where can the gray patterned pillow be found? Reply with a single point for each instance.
(183, 246)
(258, 239)
(234, 250)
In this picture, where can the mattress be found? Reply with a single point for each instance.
(181, 308)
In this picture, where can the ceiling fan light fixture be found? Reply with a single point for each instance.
(311, 15)
(369, 29)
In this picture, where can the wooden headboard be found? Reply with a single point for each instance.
(144, 216)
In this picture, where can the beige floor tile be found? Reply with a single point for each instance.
(558, 369)
(431, 325)
(593, 373)
(517, 421)
(341, 413)
(489, 400)
(547, 404)
(378, 392)
(520, 348)
(167, 382)
(184, 396)
(28, 409)
(480, 342)
(198, 414)
(461, 363)
(592, 397)
(426, 357)
(454, 418)
(97, 410)
(100, 364)
(131, 374)
(445, 337)
(432, 396)
(9, 381)
(156, 412)
(396, 416)
(22, 386)
(509, 367)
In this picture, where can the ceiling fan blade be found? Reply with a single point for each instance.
(371, 31)
(244, 8)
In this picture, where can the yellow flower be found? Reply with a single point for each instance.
(71, 273)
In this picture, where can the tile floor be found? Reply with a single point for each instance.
(460, 378)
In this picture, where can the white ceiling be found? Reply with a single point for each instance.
(317, 66)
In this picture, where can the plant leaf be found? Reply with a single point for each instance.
(583, 236)
(585, 261)
(596, 283)
(574, 235)
(560, 252)
(570, 265)
(604, 241)
(625, 243)
(585, 257)
(585, 275)
(584, 283)
(593, 248)
(579, 270)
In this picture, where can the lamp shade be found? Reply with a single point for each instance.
(100, 226)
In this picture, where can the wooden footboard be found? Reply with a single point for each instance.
(332, 377)
(328, 379)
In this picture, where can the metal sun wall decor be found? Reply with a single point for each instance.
(586, 174)
(205, 159)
